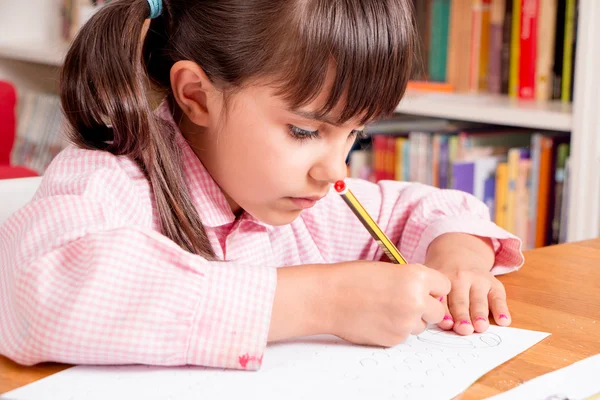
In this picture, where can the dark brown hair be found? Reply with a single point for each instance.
(292, 44)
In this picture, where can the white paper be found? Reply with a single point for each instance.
(433, 365)
(577, 381)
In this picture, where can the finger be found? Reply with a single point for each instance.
(434, 310)
(439, 284)
(478, 304)
(497, 301)
(458, 302)
(447, 322)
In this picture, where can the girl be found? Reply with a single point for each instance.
(167, 236)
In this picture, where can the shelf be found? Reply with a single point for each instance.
(483, 108)
(490, 109)
(50, 53)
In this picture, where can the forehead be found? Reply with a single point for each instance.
(313, 108)
(257, 97)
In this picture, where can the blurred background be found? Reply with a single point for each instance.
(505, 105)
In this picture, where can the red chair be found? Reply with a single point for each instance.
(8, 133)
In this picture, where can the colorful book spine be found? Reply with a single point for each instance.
(464, 176)
(438, 46)
(559, 178)
(489, 194)
(435, 160)
(459, 53)
(484, 44)
(390, 158)
(497, 14)
(514, 156)
(564, 214)
(399, 162)
(515, 49)
(543, 191)
(475, 59)
(506, 47)
(568, 50)
(536, 152)
(444, 178)
(501, 194)
(545, 49)
(379, 157)
(522, 201)
(528, 52)
(559, 42)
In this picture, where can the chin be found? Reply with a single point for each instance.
(279, 218)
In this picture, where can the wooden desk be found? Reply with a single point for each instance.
(556, 292)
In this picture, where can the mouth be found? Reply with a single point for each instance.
(306, 202)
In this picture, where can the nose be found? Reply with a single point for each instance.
(331, 167)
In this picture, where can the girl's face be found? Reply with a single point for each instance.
(268, 159)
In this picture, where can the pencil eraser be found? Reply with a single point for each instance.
(340, 186)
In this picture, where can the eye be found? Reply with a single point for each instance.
(302, 134)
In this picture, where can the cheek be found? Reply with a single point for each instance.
(269, 149)
(257, 160)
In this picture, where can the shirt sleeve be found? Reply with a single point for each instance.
(81, 282)
(412, 215)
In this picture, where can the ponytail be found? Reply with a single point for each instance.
(104, 94)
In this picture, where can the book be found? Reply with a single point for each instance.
(562, 153)
(438, 46)
(40, 129)
(522, 193)
(545, 49)
(546, 186)
(501, 194)
(528, 48)
(506, 46)
(559, 44)
(568, 51)
(460, 31)
(497, 15)
(515, 49)
(514, 159)
(564, 210)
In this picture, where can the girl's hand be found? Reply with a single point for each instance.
(379, 303)
(363, 302)
(467, 261)
(475, 292)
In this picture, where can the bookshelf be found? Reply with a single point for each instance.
(489, 109)
(31, 59)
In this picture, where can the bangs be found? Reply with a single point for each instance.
(360, 51)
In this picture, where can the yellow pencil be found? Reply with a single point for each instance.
(384, 242)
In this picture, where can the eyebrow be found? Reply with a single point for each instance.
(314, 116)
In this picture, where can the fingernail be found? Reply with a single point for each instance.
(465, 322)
(441, 298)
(502, 316)
(448, 318)
(480, 319)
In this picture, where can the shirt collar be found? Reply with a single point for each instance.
(207, 196)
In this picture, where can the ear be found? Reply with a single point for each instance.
(192, 90)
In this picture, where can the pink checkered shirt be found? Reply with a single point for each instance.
(87, 278)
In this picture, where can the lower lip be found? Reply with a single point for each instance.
(303, 203)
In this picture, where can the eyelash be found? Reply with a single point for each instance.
(303, 134)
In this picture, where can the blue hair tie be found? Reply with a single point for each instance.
(155, 8)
